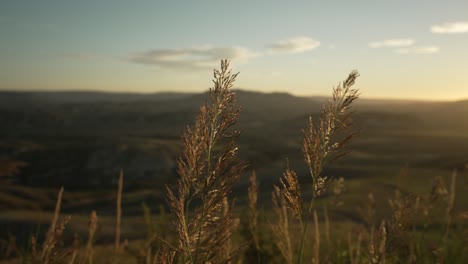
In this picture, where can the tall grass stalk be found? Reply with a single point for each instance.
(323, 142)
(280, 229)
(450, 205)
(51, 238)
(92, 226)
(253, 213)
(118, 211)
(317, 239)
(208, 169)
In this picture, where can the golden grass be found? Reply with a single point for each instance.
(207, 172)
(324, 141)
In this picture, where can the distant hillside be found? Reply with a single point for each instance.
(81, 139)
(57, 110)
(12, 98)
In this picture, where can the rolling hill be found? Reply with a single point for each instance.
(82, 138)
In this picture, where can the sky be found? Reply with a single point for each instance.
(403, 49)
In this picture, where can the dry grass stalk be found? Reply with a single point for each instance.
(119, 211)
(316, 259)
(291, 191)
(280, 229)
(352, 258)
(401, 226)
(383, 242)
(378, 249)
(149, 256)
(354, 249)
(56, 255)
(228, 247)
(400, 206)
(450, 205)
(325, 141)
(253, 213)
(438, 192)
(439, 189)
(368, 213)
(51, 237)
(412, 243)
(75, 249)
(371, 246)
(92, 226)
(208, 170)
(33, 247)
(165, 255)
(338, 186)
(358, 248)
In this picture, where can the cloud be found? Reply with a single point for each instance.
(451, 28)
(419, 50)
(192, 58)
(207, 57)
(294, 45)
(405, 46)
(392, 43)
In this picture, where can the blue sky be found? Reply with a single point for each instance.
(403, 49)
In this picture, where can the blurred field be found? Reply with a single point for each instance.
(82, 143)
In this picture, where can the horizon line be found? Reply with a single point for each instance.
(362, 97)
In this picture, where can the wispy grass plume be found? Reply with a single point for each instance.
(324, 141)
(208, 169)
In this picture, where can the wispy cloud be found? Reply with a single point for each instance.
(404, 46)
(192, 58)
(204, 57)
(392, 43)
(294, 45)
(451, 28)
(418, 50)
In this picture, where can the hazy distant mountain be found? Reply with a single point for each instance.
(11, 98)
(82, 138)
(98, 108)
